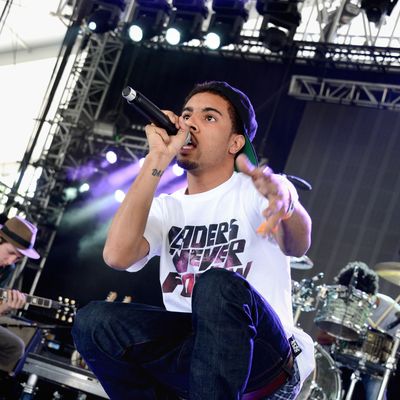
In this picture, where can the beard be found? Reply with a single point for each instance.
(187, 165)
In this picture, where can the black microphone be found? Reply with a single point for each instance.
(299, 182)
(149, 110)
(395, 322)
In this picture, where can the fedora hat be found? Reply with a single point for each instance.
(21, 234)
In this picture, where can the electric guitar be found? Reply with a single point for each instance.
(65, 308)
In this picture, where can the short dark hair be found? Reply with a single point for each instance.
(210, 87)
(366, 280)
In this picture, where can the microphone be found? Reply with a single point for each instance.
(299, 182)
(395, 322)
(354, 278)
(149, 110)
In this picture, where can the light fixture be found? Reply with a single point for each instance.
(148, 20)
(186, 21)
(103, 128)
(119, 195)
(226, 23)
(177, 170)
(281, 18)
(111, 156)
(350, 10)
(376, 10)
(105, 15)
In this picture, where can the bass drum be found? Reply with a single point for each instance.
(324, 383)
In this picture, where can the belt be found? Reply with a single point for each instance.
(273, 385)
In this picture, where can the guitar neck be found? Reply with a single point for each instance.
(34, 300)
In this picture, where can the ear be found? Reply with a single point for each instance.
(237, 142)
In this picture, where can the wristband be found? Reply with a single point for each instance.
(293, 199)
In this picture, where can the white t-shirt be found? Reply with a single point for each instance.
(383, 304)
(217, 229)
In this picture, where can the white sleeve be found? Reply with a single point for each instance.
(152, 233)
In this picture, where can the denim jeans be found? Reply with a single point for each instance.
(232, 342)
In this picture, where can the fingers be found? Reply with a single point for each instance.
(15, 299)
(244, 165)
(173, 117)
(271, 223)
(270, 186)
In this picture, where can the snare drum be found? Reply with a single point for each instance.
(343, 311)
(369, 354)
(324, 382)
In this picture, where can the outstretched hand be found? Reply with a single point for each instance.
(273, 187)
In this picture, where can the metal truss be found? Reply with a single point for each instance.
(381, 96)
(322, 38)
(69, 141)
(313, 54)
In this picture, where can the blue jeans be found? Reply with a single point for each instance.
(232, 342)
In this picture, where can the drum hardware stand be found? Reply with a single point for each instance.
(390, 365)
(355, 377)
(29, 387)
(307, 286)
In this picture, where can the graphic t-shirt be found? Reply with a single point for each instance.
(217, 229)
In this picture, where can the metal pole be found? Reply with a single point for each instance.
(390, 365)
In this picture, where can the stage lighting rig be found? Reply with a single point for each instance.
(186, 21)
(348, 11)
(226, 23)
(376, 10)
(105, 15)
(281, 18)
(149, 18)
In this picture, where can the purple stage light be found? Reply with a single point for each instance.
(111, 157)
(119, 195)
(177, 170)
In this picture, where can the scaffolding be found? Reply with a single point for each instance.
(70, 137)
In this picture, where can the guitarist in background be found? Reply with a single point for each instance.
(17, 238)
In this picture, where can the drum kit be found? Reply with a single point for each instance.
(356, 342)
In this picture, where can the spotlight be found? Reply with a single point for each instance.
(84, 187)
(70, 193)
(177, 170)
(111, 157)
(376, 10)
(186, 21)
(350, 10)
(281, 18)
(105, 15)
(226, 23)
(119, 195)
(148, 19)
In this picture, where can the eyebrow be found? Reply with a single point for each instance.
(206, 109)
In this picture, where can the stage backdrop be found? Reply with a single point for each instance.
(350, 155)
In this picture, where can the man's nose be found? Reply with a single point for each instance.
(192, 124)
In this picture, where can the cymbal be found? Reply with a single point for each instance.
(302, 263)
(389, 270)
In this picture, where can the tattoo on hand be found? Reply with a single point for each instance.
(157, 172)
